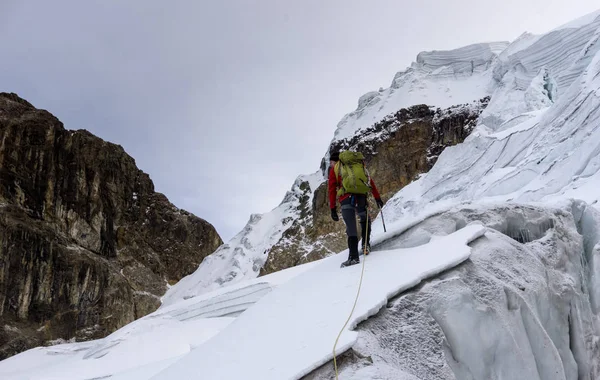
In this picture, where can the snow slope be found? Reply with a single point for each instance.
(521, 308)
(150, 344)
(299, 339)
(244, 255)
(532, 144)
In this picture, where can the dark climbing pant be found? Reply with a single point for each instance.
(356, 204)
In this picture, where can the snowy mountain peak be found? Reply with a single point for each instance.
(437, 78)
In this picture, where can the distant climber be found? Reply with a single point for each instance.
(349, 181)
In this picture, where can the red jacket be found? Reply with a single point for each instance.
(335, 183)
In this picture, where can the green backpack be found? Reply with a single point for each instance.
(355, 178)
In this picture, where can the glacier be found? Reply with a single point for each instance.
(444, 298)
(519, 308)
(529, 145)
(517, 296)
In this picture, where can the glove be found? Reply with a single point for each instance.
(379, 202)
(334, 215)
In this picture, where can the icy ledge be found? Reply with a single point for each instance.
(302, 318)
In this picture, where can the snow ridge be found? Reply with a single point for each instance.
(245, 254)
(438, 78)
(538, 138)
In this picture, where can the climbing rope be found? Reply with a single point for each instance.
(356, 299)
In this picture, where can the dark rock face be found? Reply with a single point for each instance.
(407, 143)
(397, 149)
(86, 245)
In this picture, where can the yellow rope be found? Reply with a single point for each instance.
(355, 300)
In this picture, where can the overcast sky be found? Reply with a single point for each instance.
(224, 103)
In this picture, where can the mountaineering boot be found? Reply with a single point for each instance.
(365, 251)
(365, 239)
(350, 262)
(353, 249)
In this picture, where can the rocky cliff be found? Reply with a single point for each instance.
(86, 244)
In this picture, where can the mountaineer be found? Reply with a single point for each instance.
(349, 181)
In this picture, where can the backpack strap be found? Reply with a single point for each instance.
(337, 171)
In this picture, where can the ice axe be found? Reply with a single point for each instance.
(382, 219)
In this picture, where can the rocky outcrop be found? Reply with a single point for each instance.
(86, 244)
(397, 149)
